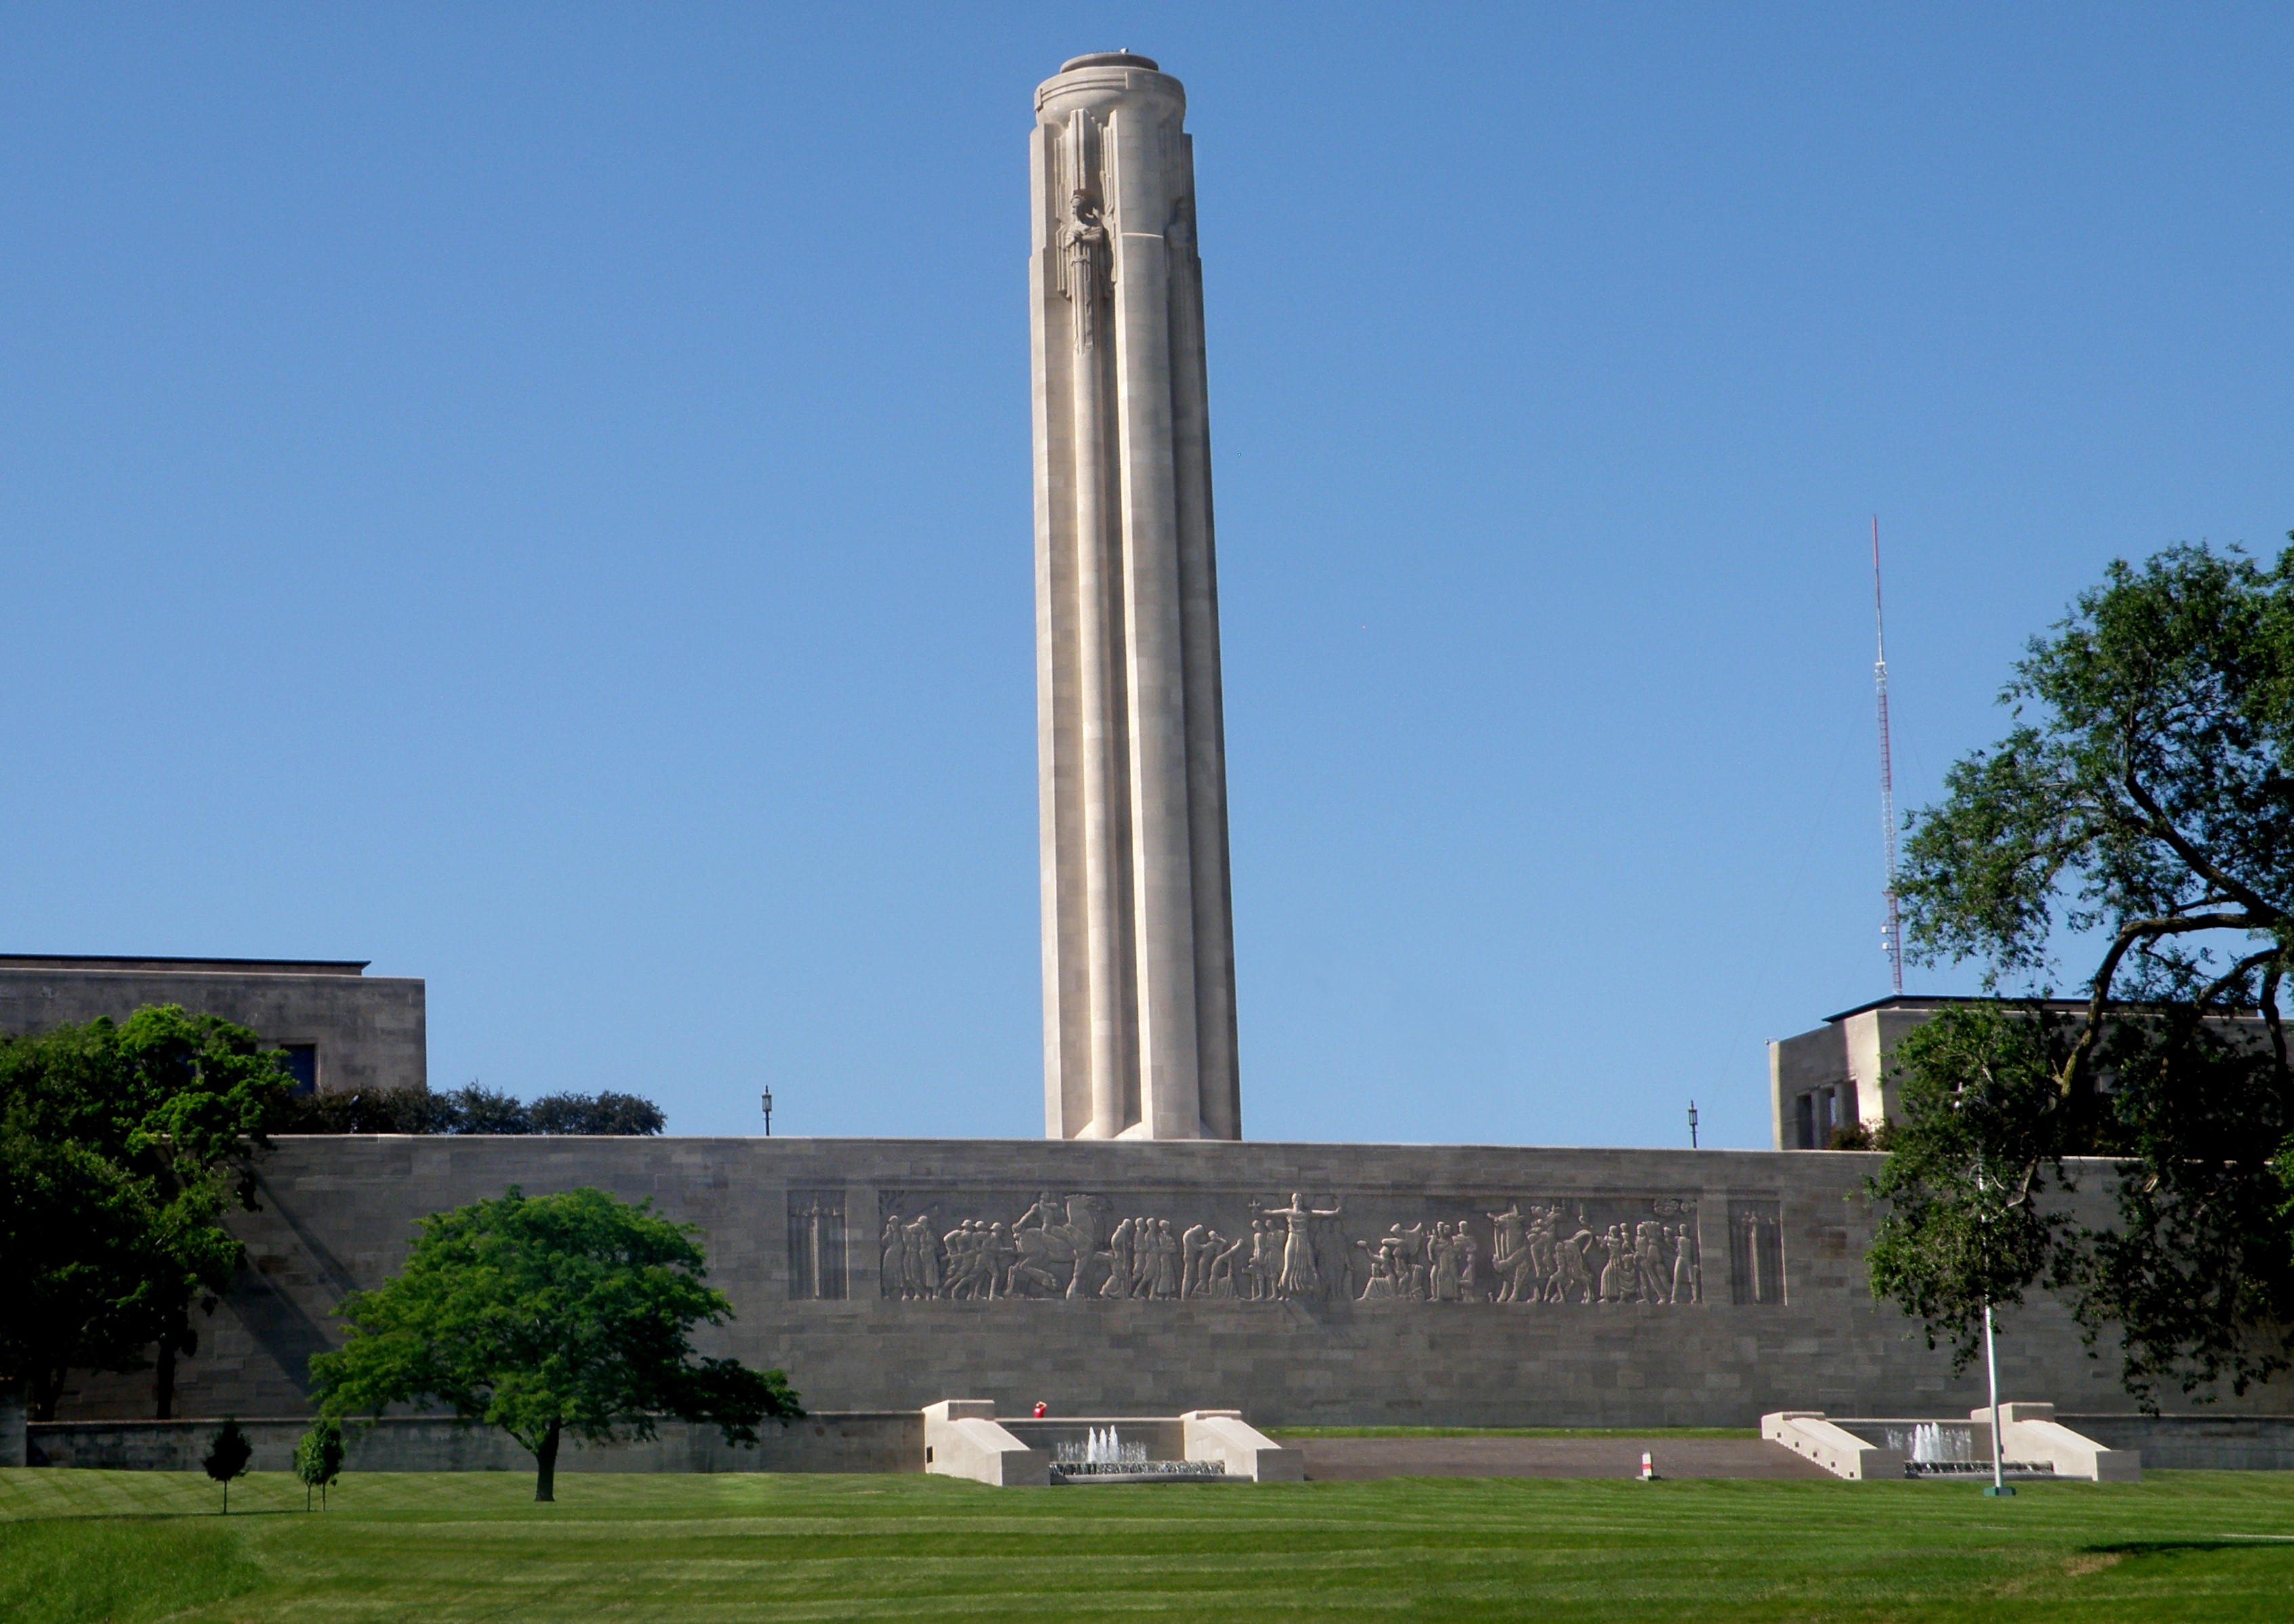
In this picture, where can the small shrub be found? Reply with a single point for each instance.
(227, 1457)
(319, 1459)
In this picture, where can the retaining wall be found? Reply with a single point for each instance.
(1740, 1288)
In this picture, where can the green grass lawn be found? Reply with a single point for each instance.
(129, 1546)
(1511, 1432)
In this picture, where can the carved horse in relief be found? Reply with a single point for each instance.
(1060, 1249)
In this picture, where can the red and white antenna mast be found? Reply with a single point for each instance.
(1892, 939)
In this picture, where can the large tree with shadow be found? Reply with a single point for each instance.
(2137, 823)
(549, 1317)
(122, 1145)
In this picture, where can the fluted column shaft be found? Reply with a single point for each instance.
(1138, 954)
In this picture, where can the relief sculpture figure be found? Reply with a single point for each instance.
(1509, 1255)
(1298, 1278)
(1571, 1281)
(1167, 1260)
(964, 1257)
(1120, 1260)
(895, 1258)
(1443, 1251)
(1380, 1288)
(1649, 1262)
(1413, 1281)
(1192, 1245)
(1263, 1266)
(1615, 1263)
(1224, 1256)
(920, 1258)
(1334, 1260)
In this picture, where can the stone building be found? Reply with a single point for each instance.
(1840, 1075)
(343, 1029)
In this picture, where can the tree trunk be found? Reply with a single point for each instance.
(545, 1477)
(163, 1382)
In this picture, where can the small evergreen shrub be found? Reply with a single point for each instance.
(227, 1457)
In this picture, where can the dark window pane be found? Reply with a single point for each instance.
(303, 1066)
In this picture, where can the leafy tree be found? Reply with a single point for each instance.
(470, 1111)
(1963, 1227)
(373, 1111)
(486, 1110)
(546, 1316)
(606, 1112)
(2143, 802)
(228, 1454)
(319, 1459)
(121, 1145)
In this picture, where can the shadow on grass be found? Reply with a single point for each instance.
(2173, 1548)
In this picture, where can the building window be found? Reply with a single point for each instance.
(303, 1066)
(1818, 1111)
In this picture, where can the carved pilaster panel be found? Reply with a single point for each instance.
(816, 1243)
(1756, 1252)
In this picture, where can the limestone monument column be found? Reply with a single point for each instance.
(1139, 1034)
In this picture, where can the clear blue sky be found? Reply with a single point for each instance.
(539, 497)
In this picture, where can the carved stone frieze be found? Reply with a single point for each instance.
(1563, 1251)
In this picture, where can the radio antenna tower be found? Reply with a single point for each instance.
(1891, 940)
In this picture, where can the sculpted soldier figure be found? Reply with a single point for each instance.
(920, 1257)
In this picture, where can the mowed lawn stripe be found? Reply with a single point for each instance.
(735, 1547)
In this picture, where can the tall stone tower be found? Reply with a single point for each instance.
(1139, 1038)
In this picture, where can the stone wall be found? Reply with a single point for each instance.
(1769, 1310)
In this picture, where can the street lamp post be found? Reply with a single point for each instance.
(768, 1113)
(1692, 1125)
(1991, 1360)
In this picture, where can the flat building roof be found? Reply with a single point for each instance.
(257, 967)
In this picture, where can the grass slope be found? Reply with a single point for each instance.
(453, 1547)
